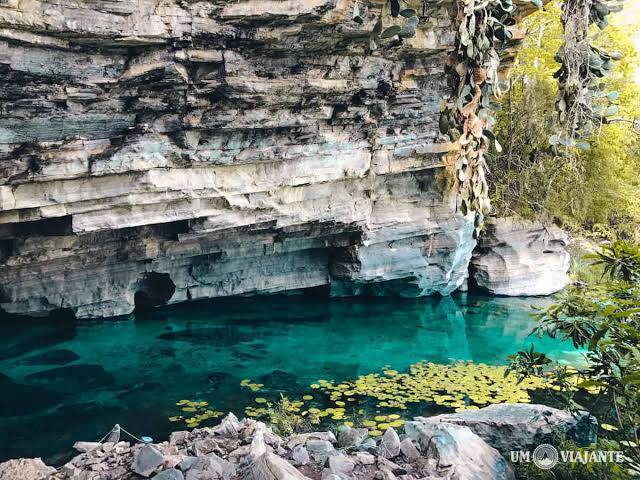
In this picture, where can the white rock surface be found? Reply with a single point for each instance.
(516, 257)
(140, 139)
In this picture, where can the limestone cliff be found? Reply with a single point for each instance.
(165, 150)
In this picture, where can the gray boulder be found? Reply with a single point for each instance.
(211, 467)
(320, 450)
(351, 437)
(390, 444)
(147, 460)
(409, 450)
(516, 257)
(269, 466)
(459, 453)
(300, 455)
(521, 426)
(171, 474)
(341, 465)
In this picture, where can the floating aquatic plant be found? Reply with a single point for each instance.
(200, 412)
(379, 401)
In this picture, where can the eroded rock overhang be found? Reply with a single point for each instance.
(221, 148)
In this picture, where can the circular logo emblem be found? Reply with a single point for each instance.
(545, 456)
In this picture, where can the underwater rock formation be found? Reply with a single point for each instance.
(156, 152)
(517, 257)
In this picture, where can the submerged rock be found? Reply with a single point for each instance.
(52, 357)
(517, 257)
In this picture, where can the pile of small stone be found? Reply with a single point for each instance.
(456, 446)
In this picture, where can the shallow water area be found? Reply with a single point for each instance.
(69, 381)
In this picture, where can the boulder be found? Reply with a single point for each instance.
(86, 446)
(351, 437)
(508, 427)
(211, 467)
(25, 469)
(459, 453)
(303, 438)
(341, 464)
(409, 450)
(320, 450)
(269, 466)
(147, 460)
(390, 444)
(516, 257)
(170, 474)
(300, 455)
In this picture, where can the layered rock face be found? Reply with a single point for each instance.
(161, 151)
(516, 257)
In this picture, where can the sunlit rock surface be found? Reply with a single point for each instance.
(163, 151)
(516, 257)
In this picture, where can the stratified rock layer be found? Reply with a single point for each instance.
(516, 257)
(161, 151)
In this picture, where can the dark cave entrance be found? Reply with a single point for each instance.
(153, 290)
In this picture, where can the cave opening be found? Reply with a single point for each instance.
(153, 290)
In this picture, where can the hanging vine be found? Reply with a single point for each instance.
(582, 104)
(483, 33)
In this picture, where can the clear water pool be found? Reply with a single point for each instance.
(63, 382)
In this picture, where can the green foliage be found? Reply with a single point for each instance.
(619, 260)
(605, 320)
(596, 189)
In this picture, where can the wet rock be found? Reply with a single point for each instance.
(508, 427)
(517, 257)
(459, 452)
(24, 399)
(390, 444)
(170, 474)
(72, 377)
(300, 455)
(147, 460)
(25, 469)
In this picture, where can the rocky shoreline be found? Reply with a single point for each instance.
(471, 445)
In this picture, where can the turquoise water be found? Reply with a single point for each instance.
(63, 382)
